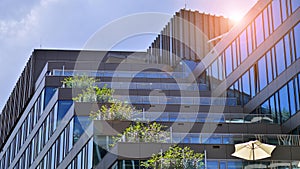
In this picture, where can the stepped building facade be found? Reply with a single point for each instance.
(211, 83)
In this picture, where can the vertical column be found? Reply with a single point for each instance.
(186, 35)
(168, 43)
(198, 36)
(192, 46)
(164, 46)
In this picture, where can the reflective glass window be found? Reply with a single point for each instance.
(287, 48)
(277, 106)
(292, 47)
(222, 164)
(71, 129)
(215, 69)
(273, 63)
(246, 87)
(292, 97)
(270, 18)
(276, 13)
(29, 123)
(228, 60)
(284, 9)
(89, 153)
(212, 164)
(266, 22)
(284, 103)
(53, 156)
(249, 37)
(80, 124)
(234, 55)
(280, 59)
(297, 39)
(269, 67)
(234, 165)
(297, 94)
(221, 67)
(252, 82)
(243, 46)
(262, 73)
(61, 147)
(273, 109)
(47, 122)
(49, 92)
(54, 111)
(265, 107)
(295, 5)
(259, 30)
(63, 107)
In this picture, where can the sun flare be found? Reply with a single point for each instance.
(235, 17)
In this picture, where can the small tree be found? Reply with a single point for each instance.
(95, 94)
(140, 132)
(175, 157)
(79, 82)
(113, 109)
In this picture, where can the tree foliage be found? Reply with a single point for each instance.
(95, 94)
(112, 109)
(175, 157)
(81, 82)
(140, 132)
(115, 110)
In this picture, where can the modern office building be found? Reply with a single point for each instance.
(213, 84)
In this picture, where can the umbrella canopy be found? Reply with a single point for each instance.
(253, 150)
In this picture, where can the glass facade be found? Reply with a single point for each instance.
(44, 125)
(41, 136)
(284, 103)
(256, 32)
(267, 68)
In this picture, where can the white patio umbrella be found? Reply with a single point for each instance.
(253, 150)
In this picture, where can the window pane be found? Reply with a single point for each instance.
(295, 5)
(284, 103)
(297, 39)
(292, 97)
(249, 36)
(243, 46)
(265, 108)
(273, 62)
(276, 13)
(273, 109)
(49, 91)
(80, 125)
(234, 55)
(266, 22)
(259, 30)
(214, 69)
(212, 164)
(89, 153)
(228, 60)
(280, 60)
(269, 67)
(297, 94)
(246, 87)
(71, 134)
(221, 67)
(262, 73)
(234, 165)
(287, 50)
(252, 82)
(283, 9)
(63, 107)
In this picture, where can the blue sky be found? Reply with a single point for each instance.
(68, 24)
